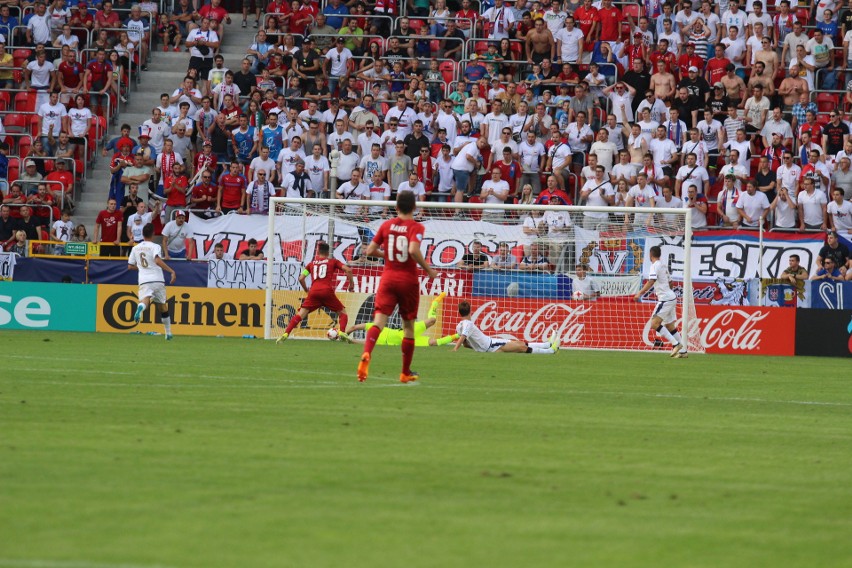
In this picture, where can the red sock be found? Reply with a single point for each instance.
(407, 355)
(342, 320)
(372, 337)
(294, 321)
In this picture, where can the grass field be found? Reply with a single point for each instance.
(127, 451)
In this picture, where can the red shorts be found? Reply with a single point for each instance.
(393, 293)
(317, 300)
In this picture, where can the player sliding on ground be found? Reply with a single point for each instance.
(323, 272)
(664, 318)
(147, 258)
(400, 240)
(390, 336)
(472, 337)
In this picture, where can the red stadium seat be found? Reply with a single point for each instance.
(827, 102)
(34, 125)
(5, 100)
(475, 214)
(16, 123)
(25, 102)
(448, 71)
(24, 145)
(14, 169)
(20, 56)
(633, 10)
(480, 47)
(754, 165)
(415, 25)
(803, 15)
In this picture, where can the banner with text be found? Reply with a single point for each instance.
(54, 307)
(7, 266)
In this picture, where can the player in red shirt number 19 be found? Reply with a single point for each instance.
(400, 238)
(323, 272)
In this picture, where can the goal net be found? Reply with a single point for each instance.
(527, 270)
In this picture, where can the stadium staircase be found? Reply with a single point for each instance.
(165, 72)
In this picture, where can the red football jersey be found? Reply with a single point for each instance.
(109, 223)
(394, 236)
(323, 273)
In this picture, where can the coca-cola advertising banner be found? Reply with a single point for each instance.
(618, 323)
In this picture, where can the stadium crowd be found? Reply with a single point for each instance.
(735, 110)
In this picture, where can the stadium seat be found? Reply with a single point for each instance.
(475, 214)
(827, 102)
(20, 56)
(25, 102)
(5, 100)
(480, 47)
(754, 165)
(517, 50)
(633, 10)
(34, 125)
(803, 15)
(448, 71)
(712, 214)
(24, 144)
(415, 25)
(14, 169)
(16, 123)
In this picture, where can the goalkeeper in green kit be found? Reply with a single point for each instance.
(390, 336)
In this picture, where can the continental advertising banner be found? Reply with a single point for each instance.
(194, 311)
(54, 307)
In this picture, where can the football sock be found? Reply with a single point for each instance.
(167, 323)
(445, 340)
(294, 321)
(667, 335)
(540, 350)
(545, 345)
(407, 354)
(676, 335)
(372, 337)
(436, 303)
(342, 321)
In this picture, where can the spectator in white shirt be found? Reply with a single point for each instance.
(752, 206)
(812, 207)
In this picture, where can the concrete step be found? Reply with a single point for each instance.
(165, 72)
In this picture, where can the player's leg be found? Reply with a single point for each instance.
(294, 321)
(145, 294)
(436, 304)
(380, 320)
(158, 298)
(679, 349)
(407, 375)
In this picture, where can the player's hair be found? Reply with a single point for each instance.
(655, 252)
(148, 231)
(405, 202)
(252, 241)
(464, 308)
(323, 248)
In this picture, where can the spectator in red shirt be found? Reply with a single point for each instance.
(204, 194)
(81, 18)
(99, 77)
(589, 21)
(610, 18)
(232, 189)
(106, 18)
(174, 188)
(216, 14)
(510, 172)
(716, 66)
(108, 229)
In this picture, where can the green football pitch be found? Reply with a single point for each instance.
(125, 451)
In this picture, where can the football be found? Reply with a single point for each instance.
(577, 295)
(331, 334)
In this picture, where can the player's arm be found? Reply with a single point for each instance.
(648, 284)
(414, 252)
(459, 342)
(350, 281)
(159, 262)
(303, 278)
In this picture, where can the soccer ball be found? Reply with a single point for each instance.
(577, 295)
(332, 334)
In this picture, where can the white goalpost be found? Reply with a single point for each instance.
(527, 270)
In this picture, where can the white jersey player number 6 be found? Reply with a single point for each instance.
(142, 260)
(399, 248)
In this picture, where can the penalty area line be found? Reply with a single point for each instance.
(44, 563)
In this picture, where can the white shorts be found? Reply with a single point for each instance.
(495, 345)
(154, 290)
(666, 310)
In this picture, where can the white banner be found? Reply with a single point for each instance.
(7, 265)
(252, 274)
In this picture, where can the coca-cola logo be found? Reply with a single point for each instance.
(734, 329)
(539, 325)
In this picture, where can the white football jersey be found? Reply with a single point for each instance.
(662, 281)
(143, 257)
(477, 340)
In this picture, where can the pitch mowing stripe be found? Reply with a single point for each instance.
(284, 384)
(39, 563)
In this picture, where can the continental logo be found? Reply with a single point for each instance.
(194, 311)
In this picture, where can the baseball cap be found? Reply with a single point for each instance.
(690, 44)
(29, 163)
(207, 143)
(340, 40)
(718, 85)
(144, 135)
(638, 34)
(563, 86)
(180, 213)
(693, 69)
(308, 39)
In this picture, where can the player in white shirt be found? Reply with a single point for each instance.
(664, 317)
(472, 337)
(147, 258)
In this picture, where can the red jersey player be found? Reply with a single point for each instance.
(323, 272)
(400, 238)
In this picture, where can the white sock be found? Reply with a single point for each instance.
(667, 335)
(544, 345)
(541, 350)
(676, 335)
(141, 305)
(167, 323)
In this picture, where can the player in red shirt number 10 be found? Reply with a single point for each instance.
(400, 238)
(323, 272)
